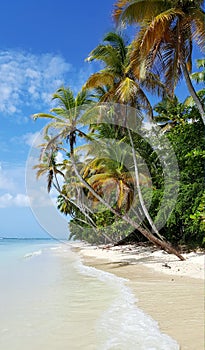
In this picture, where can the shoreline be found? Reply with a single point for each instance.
(166, 290)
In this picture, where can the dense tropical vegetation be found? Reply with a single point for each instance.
(130, 168)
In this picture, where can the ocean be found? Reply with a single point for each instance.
(50, 300)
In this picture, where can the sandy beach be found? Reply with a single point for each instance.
(169, 290)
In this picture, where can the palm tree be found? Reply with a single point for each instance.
(68, 204)
(110, 177)
(199, 77)
(70, 199)
(171, 112)
(48, 163)
(66, 120)
(67, 116)
(115, 82)
(151, 237)
(163, 244)
(167, 30)
(112, 173)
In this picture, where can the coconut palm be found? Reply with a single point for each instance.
(70, 199)
(107, 175)
(114, 176)
(48, 163)
(111, 180)
(170, 112)
(66, 121)
(198, 77)
(81, 215)
(163, 45)
(152, 238)
(115, 82)
(67, 115)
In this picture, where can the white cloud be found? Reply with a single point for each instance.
(29, 80)
(6, 183)
(59, 158)
(39, 196)
(14, 192)
(13, 189)
(19, 200)
(12, 179)
(32, 139)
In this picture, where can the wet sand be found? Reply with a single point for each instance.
(175, 302)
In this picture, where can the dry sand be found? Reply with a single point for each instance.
(169, 290)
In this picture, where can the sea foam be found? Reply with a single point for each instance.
(32, 254)
(123, 325)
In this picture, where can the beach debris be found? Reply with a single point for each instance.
(166, 265)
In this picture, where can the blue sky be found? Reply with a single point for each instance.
(43, 45)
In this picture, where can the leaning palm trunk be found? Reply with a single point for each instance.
(81, 208)
(164, 245)
(142, 203)
(193, 92)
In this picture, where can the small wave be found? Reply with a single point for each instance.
(101, 275)
(31, 255)
(124, 325)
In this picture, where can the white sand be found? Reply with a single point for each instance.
(153, 258)
(162, 285)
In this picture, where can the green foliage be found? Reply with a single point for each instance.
(186, 223)
(104, 177)
(199, 217)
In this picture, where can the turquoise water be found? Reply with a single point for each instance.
(50, 300)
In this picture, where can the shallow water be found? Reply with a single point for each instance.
(50, 300)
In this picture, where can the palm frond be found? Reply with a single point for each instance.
(65, 98)
(106, 54)
(45, 115)
(60, 112)
(197, 19)
(83, 99)
(156, 30)
(137, 11)
(153, 84)
(127, 91)
(118, 43)
(199, 77)
(100, 79)
(200, 63)
(42, 170)
(56, 125)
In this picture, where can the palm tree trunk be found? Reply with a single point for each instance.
(164, 245)
(90, 221)
(192, 91)
(139, 190)
(139, 217)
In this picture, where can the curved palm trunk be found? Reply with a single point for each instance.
(82, 209)
(193, 92)
(139, 190)
(164, 245)
(139, 217)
